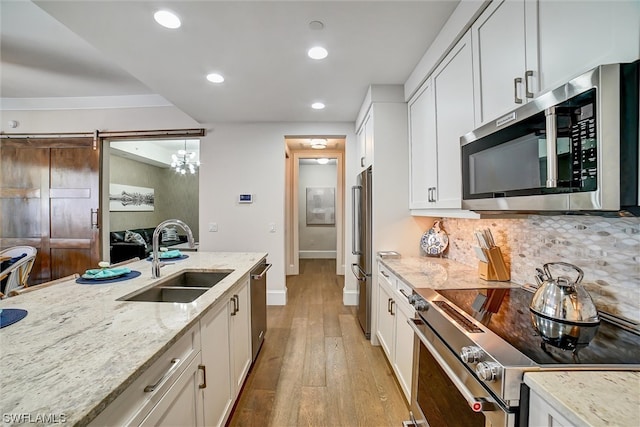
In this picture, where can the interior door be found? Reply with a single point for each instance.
(49, 199)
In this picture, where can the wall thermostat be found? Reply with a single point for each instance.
(245, 198)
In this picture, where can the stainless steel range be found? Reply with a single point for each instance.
(473, 347)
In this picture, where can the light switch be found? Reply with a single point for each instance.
(213, 227)
(272, 227)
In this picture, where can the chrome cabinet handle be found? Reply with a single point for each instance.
(552, 148)
(259, 276)
(527, 75)
(204, 376)
(516, 82)
(175, 362)
(356, 270)
(234, 299)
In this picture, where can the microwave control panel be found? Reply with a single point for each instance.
(584, 149)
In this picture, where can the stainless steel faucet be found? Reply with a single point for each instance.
(155, 261)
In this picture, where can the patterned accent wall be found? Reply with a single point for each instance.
(606, 249)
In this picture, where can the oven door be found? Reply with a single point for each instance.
(445, 392)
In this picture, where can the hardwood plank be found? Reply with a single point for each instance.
(368, 406)
(315, 409)
(314, 360)
(285, 406)
(266, 371)
(254, 407)
(341, 395)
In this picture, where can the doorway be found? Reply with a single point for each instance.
(164, 169)
(314, 200)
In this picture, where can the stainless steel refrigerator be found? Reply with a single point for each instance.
(361, 246)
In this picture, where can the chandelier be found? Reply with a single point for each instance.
(185, 161)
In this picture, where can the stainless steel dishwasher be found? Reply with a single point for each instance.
(258, 306)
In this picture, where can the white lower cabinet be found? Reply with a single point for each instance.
(542, 414)
(182, 403)
(172, 374)
(393, 330)
(226, 353)
(197, 380)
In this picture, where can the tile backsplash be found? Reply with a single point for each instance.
(606, 249)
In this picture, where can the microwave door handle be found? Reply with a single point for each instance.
(355, 215)
(552, 147)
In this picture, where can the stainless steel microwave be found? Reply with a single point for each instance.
(572, 149)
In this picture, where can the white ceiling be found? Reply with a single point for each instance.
(259, 46)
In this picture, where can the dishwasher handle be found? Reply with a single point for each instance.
(261, 275)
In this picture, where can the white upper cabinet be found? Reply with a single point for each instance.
(439, 114)
(575, 38)
(452, 80)
(504, 58)
(422, 137)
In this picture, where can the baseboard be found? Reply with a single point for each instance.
(277, 297)
(317, 254)
(350, 297)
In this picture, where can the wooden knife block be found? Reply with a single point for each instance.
(496, 268)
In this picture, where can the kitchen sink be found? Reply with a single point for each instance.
(195, 279)
(184, 287)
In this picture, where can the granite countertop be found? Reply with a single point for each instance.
(588, 398)
(439, 273)
(78, 348)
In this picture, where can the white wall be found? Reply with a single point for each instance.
(250, 158)
(316, 241)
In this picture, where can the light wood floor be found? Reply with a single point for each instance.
(315, 367)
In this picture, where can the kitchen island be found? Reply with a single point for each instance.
(79, 347)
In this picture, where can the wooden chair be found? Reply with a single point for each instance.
(21, 291)
(16, 274)
(127, 261)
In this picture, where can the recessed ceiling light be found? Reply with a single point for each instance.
(317, 105)
(317, 53)
(323, 161)
(318, 143)
(316, 25)
(215, 78)
(167, 19)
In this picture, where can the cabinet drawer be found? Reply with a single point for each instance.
(137, 400)
(386, 277)
(403, 291)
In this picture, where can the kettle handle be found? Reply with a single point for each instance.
(565, 264)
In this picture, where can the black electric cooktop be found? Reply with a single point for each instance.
(506, 313)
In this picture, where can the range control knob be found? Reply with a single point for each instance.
(488, 371)
(471, 354)
(421, 305)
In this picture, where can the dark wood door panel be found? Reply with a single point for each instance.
(48, 190)
(68, 261)
(20, 218)
(23, 167)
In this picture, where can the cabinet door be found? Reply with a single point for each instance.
(403, 361)
(362, 137)
(499, 59)
(573, 39)
(453, 94)
(241, 335)
(385, 318)
(182, 404)
(544, 415)
(368, 141)
(219, 394)
(422, 147)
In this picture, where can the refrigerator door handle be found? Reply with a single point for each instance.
(357, 271)
(355, 211)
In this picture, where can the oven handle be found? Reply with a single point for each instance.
(477, 404)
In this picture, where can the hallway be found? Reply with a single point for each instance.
(315, 367)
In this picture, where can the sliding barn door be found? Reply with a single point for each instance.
(49, 199)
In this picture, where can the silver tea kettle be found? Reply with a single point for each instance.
(564, 300)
